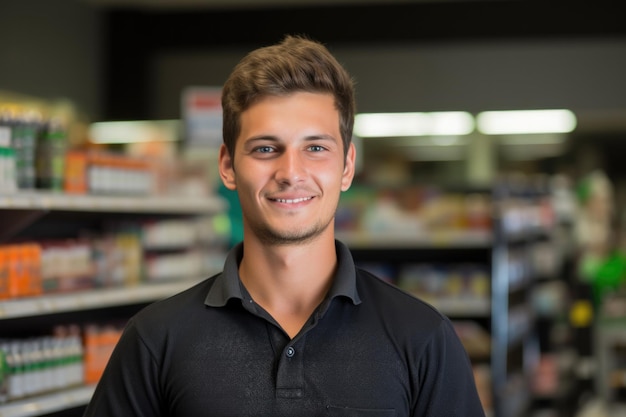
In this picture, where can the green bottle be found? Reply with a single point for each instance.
(51, 148)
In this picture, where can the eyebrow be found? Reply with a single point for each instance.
(321, 137)
(275, 139)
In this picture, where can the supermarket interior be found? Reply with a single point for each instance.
(503, 205)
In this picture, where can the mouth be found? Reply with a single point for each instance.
(291, 200)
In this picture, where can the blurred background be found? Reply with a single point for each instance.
(490, 179)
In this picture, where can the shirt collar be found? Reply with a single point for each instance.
(227, 285)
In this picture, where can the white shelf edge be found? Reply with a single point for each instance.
(48, 403)
(449, 239)
(42, 200)
(96, 298)
(459, 307)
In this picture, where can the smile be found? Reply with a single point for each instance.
(293, 201)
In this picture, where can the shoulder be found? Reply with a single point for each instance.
(174, 310)
(401, 311)
(379, 291)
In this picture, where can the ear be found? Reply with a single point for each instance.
(227, 170)
(348, 170)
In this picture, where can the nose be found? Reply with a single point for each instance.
(290, 168)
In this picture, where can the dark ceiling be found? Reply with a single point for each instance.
(135, 35)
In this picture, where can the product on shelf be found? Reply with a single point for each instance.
(87, 242)
(35, 145)
(8, 170)
(20, 270)
(41, 364)
(75, 181)
(100, 172)
(165, 267)
(177, 233)
(424, 213)
(66, 265)
(50, 151)
(122, 255)
(19, 132)
(8, 165)
(465, 283)
(100, 340)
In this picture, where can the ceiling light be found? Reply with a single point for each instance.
(525, 122)
(135, 131)
(368, 125)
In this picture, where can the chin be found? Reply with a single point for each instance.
(282, 237)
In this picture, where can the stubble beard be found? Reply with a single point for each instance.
(269, 235)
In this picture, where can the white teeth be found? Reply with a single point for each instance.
(295, 200)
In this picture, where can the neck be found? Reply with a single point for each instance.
(289, 281)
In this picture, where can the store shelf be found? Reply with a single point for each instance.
(49, 403)
(442, 239)
(40, 200)
(470, 307)
(37, 216)
(97, 298)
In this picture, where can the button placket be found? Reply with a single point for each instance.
(290, 372)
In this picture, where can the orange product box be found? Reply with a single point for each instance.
(23, 269)
(4, 273)
(76, 172)
(15, 271)
(99, 345)
(32, 254)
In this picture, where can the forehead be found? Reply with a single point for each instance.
(296, 110)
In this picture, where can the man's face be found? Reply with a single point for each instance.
(288, 167)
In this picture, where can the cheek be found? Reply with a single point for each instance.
(250, 182)
(328, 180)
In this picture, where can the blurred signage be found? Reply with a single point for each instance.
(202, 114)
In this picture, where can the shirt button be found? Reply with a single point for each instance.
(290, 352)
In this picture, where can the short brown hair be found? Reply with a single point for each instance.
(295, 64)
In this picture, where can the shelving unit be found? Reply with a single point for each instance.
(48, 403)
(610, 340)
(514, 342)
(456, 249)
(524, 223)
(521, 219)
(462, 248)
(87, 300)
(39, 215)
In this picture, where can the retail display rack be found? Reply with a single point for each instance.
(39, 216)
(482, 279)
(449, 270)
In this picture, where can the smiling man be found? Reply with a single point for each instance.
(290, 327)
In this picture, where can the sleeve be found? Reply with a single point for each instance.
(446, 385)
(129, 385)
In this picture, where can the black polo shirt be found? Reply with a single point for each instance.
(368, 350)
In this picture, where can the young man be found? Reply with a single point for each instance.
(290, 327)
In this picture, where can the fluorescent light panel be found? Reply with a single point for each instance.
(369, 125)
(511, 122)
(135, 131)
